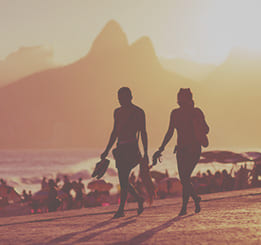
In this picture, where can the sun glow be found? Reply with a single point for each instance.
(209, 30)
(230, 24)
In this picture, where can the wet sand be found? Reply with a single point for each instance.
(226, 218)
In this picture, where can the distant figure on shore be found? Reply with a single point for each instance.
(57, 181)
(78, 187)
(228, 181)
(44, 184)
(81, 191)
(192, 128)
(81, 185)
(25, 196)
(241, 180)
(67, 187)
(129, 121)
(2, 182)
(53, 202)
(30, 195)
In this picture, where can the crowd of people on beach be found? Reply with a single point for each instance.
(63, 195)
(224, 181)
(54, 195)
(207, 182)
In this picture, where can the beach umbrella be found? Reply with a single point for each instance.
(252, 155)
(99, 185)
(158, 176)
(235, 159)
(222, 157)
(43, 195)
(111, 172)
(218, 155)
(40, 195)
(8, 192)
(257, 161)
(205, 160)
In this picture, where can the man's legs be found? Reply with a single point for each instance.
(124, 183)
(138, 198)
(125, 187)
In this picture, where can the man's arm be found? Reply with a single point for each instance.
(144, 137)
(112, 139)
(169, 133)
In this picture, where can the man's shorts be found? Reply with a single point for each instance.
(127, 155)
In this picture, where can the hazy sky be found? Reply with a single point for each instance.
(201, 30)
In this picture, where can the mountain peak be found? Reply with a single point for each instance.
(113, 25)
(144, 48)
(144, 41)
(111, 38)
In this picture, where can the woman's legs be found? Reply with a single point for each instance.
(186, 163)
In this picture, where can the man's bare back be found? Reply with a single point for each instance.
(129, 120)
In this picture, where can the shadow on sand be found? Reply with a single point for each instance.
(66, 237)
(94, 234)
(142, 237)
(127, 221)
(58, 218)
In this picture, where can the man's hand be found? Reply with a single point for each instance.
(156, 157)
(146, 158)
(104, 154)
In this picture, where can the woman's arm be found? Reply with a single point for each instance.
(169, 133)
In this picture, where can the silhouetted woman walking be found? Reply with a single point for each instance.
(191, 128)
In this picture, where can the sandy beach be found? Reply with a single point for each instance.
(226, 218)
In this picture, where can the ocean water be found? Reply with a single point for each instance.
(24, 169)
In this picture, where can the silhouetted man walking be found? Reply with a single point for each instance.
(129, 122)
(191, 128)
